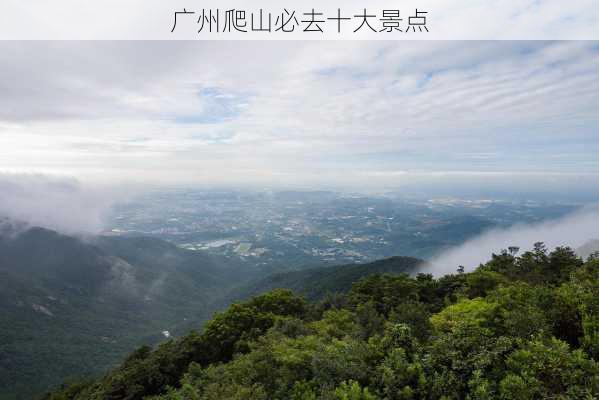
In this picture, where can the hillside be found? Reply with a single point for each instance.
(315, 283)
(517, 328)
(80, 304)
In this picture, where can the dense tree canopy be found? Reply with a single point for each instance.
(518, 327)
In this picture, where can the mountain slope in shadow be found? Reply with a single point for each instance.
(316, 283)
(81, 304)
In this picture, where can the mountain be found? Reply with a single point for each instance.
(80, 304)
(75, 306)
(315, 283)
(499, 332)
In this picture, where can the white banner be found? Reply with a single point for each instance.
(299, 20)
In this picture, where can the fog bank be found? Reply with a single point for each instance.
(573, 230)
(54, 202)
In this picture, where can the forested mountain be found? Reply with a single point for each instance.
(518, 328)
(73, 306)
(315, 283)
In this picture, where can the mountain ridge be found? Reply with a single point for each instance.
(82, 303)
(316, 282)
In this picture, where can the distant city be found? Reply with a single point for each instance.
(291, 229)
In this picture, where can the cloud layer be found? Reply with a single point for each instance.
(573, 230)
(374, 114)
(58, 203)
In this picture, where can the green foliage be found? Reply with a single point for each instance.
(317, 283)
(547, 368)
(581, 296)
(401, 378)
(231, 331)
(384, 292)
(337, 324)
(74, 308)
(516, 328)
(467, 314)
(352, 391)
(537, 266)
(479, 283)
(415, 314)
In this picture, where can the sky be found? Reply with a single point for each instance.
(361, 115)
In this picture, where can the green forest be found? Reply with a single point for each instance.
(518, 327)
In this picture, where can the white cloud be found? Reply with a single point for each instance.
(57, 202)
(303, 112)
(573, 230)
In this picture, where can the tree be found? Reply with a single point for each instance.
(384, 291)
(522, 327)
(400, 377)
(351, 390)
(549, 369)
(513, 250)
(468, 313)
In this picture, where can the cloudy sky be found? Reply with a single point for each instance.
(355, 114)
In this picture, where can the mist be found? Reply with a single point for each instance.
(55, 202)
(572, 230)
